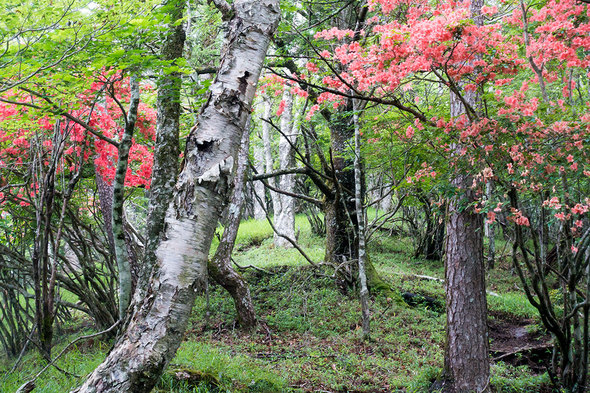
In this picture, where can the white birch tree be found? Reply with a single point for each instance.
(284, 217)
(156, 328)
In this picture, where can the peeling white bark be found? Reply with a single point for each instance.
(158, 324)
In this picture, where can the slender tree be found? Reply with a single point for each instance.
(284, 217)
(123, 262)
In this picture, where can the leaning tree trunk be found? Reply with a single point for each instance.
(220, 268)
(158, 324)
(284, 218)
(466, 352)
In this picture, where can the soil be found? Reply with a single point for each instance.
(519, 342)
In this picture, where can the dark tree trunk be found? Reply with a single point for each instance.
(466, 355)
(339, 207)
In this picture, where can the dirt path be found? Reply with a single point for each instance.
(519, 342)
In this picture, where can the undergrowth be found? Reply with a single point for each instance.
(309, 336)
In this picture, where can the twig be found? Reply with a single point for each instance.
(22, 352)
(293, 242)
(251, 267)
(522, 349)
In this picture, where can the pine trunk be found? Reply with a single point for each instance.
(158, 324)
(466, 354)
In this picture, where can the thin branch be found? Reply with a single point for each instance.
(224, 7)
(293, 242)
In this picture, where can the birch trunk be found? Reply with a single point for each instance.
(360, 216)
(220, 268)
(158, 324)
(467, 347)
(284, 218)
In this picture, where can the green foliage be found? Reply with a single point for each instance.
(222, 371)
(509, 379)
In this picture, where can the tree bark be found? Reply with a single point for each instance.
(360, 216)
(158, 324)
(220, 268)
(121, 253)
(268, 160)
(339, 208)
(490, 232)
(466, 353)
(257, 186)
(284, 218)
(167, 149)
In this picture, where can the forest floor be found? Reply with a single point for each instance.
(309, 337)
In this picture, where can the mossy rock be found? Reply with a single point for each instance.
(380, 287)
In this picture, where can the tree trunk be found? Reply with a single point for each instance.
(268, 160)
(490, 231)
(167, 149)
(220, 268)
(466, 354)
(122, 255)
(360, 216)
(284, 218)
(258, 187)
(339, 208)
(467, 347)
(158, 324)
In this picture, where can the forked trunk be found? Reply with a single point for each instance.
(158, 324)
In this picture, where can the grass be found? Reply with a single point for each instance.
(309, 338)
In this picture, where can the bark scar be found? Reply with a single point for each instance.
(243, 82)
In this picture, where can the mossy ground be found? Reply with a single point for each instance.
(309, 338)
